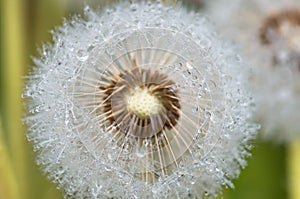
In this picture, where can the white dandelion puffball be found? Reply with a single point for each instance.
(269, 34)
(139, 101)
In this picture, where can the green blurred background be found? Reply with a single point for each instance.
(25, 25)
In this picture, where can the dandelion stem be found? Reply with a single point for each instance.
(294, 169)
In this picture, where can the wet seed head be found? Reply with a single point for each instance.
(139, 101)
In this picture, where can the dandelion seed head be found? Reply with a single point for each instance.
(139, 101)
(268, 34)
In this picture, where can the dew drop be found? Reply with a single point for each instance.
(133, 7)
(195, 109)
(82, 56)
(211, 84)
(91, 47)
(140, 154)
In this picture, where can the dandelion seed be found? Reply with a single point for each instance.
(140, 101)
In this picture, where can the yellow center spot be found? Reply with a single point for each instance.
(142, 103)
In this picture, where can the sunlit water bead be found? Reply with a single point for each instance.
(96, 141)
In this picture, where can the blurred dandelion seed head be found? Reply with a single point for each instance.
(139, 101)
(268, 34)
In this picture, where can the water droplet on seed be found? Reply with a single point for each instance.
(82, 56)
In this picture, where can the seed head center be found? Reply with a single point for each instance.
(292, 34)
(142, 102)
(282, 28)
